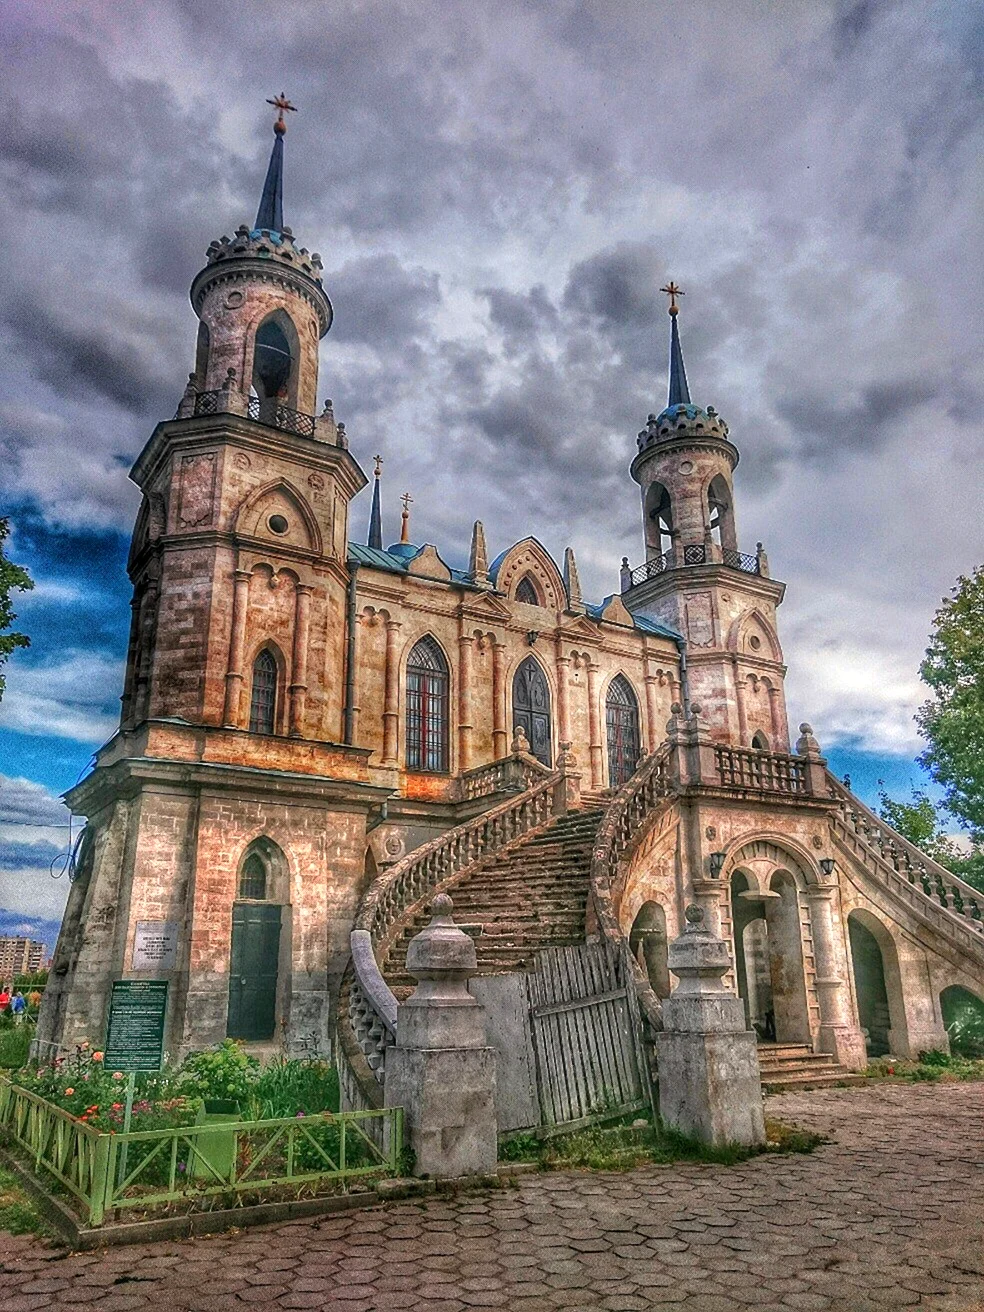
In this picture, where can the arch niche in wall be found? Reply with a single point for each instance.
(877, 984)
(259, 960)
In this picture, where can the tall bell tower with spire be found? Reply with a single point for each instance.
(695, 577)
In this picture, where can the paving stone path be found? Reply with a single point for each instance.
(889, 1215)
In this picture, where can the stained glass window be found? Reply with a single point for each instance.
(427, 708)
(526, 591)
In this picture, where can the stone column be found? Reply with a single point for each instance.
(148, 624)
(391, 696)
(594, 727)
(779, 739)
(652, 714)
(442, 1069)
(563, 664)
(838, 1032)
(500, 736)
(709, 1082)
(302, 634)
(465, 645)
(133, 647)
(237, 647)
(740, 703)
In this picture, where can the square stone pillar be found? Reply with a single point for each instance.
(442, 1070)
(709, 1082)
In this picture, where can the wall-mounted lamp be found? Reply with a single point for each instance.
(531, 636)
(717, 863)
(827, 865)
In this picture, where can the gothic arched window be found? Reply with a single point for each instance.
(760, 742)
(659, 520)
(526, 591)
(253, 878)
(263, 695)
(427, 708)
(720, 514)
(272, 360)
(622, 718)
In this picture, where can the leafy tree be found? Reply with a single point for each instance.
(952, 720)
(12, 577)
(918, 820)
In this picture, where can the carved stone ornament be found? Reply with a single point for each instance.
(241, 460)
(317, 482)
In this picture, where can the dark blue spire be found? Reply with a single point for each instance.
(376, 517)
(270, 215)
(679, 391)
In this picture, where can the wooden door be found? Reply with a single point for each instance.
(253, 971)
(531, 709)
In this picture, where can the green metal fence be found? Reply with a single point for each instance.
(146, 1168)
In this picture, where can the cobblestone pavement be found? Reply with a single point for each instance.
(888, 1215)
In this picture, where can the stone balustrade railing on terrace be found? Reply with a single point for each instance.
(399, 891)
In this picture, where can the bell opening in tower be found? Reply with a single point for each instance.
(273, 366)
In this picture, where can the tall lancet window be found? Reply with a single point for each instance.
(427, 708)
(263, 696)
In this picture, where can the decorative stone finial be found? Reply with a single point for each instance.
(694, 915)
(806, 744)
(520, 742)
(566, 760)
(442, 906)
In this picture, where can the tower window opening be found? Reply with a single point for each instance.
(273, 361)
(263, 695)
(720, 516)
(277, 524)
(760, 742)
(253, 878)
(659, 520)
(427, 708)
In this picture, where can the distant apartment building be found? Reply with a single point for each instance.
(20, 956)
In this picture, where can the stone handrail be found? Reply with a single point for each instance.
(414, 879)
(635, 802)
(922, 882)
(511, 774)
(773, 772)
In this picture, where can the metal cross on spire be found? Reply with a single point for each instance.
(407, 500)
(673, 291)
(280, 103)
(379, 465)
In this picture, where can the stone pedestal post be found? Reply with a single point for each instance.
(709, 1082)
(838, 1033)
(442, 1070)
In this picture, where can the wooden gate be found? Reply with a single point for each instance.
(587, 1035)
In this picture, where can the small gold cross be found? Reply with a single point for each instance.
(280, 103)
(407, 500)
(673, 291)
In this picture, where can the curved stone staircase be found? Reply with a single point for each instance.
(540, 867)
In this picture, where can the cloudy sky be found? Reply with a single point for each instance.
(498, 189)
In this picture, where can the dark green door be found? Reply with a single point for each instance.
(253, 971)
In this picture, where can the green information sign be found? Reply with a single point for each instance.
(135, 1041)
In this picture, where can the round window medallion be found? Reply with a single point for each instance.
(686, 467)
(277, 524)
(234, 300)
(755, 642)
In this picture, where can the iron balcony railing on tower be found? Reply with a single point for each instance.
(268, 412)
(679, 558)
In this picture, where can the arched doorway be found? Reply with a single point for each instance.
(648, 944)
(622, 720)
(769, 957)
(963, 1016)
(871, 985)
(256, 979)
(531, 708)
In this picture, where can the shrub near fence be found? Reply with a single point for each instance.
(175, 1165)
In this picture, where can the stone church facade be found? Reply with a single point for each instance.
(303, 714)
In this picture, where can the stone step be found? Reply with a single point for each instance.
(806, 1080)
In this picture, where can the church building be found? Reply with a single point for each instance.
(316, 730)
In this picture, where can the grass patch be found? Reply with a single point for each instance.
(15, 1043)
(17, 1215)
(622, 1147)
(933, 1067)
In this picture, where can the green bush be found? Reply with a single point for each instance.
(284, 1088)
(222, 1073)
(935, 1057)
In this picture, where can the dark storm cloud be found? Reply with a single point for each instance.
(498, 191)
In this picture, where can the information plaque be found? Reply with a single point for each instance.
(137, 1010)
(155, 945)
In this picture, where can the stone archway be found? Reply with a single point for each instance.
(769, 961)
(877, 985)
(648, 944)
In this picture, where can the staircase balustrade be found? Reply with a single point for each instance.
(634, 804)
(393, 896)
(773, 772)
(918, 877)
(512, 774)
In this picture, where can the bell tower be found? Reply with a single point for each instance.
(695, 577)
